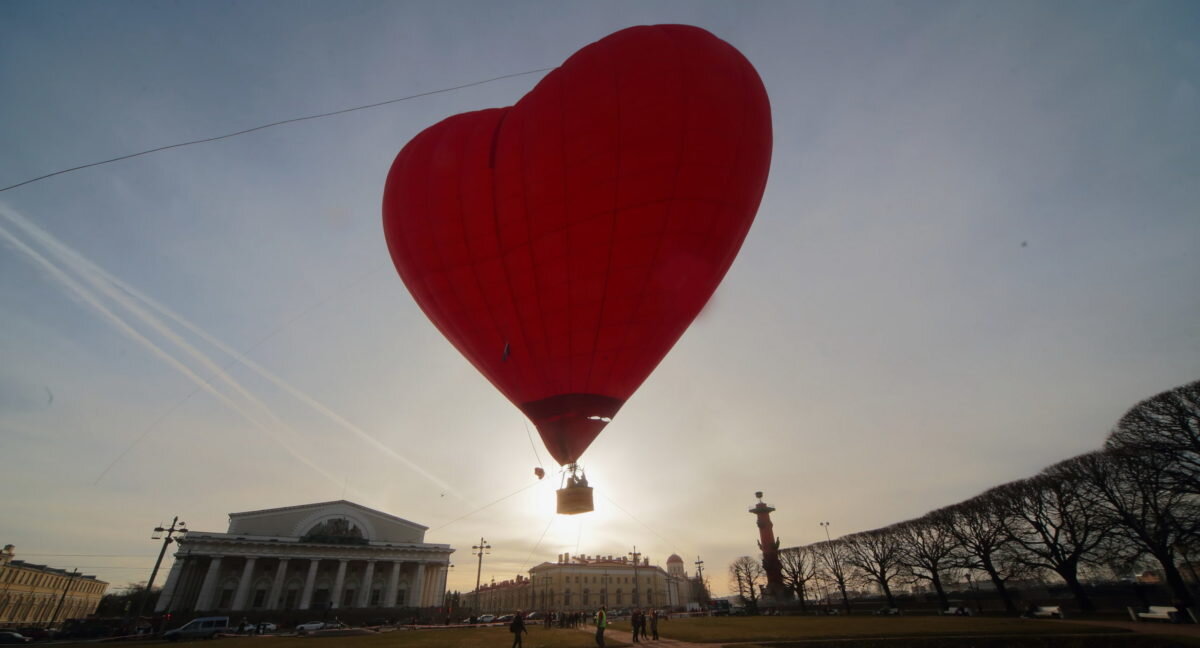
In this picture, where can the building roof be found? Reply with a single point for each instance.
(21, 564)
(674, 559)
(324, 504)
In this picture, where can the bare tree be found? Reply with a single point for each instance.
(1056, 522)
(979, 529)
(877, 554)
(1135, 490)
(1167, 424)
(799, 569)
(834, 565)
(747, 574)
(927, 552)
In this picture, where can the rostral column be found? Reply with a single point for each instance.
(776, 591)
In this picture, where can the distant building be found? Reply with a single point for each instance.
(313, 556)
(41, 595)
(586, 582)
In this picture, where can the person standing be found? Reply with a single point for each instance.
(654, 625)
(601, 624)
(517, 627)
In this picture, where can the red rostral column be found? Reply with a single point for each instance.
(776, 590)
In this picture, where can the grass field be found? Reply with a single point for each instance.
(772, 632)
(752, 629)
(457, 638)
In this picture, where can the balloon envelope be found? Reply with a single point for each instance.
(565, 243)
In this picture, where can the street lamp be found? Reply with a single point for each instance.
(635, 555)
(479, 549)
(158, 533)
(836, 563)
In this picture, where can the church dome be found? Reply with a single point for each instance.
(674, 559)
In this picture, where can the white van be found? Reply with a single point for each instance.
(199, 628)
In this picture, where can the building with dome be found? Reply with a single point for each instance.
(586, 582)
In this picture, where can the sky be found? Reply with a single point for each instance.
(976, 250)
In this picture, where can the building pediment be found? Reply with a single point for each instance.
(338, 522)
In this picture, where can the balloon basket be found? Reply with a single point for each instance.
(573, 500)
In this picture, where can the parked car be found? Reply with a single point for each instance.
(9, 637)
(36, 634)
(201, 627)
(507, 618)
(262, 626)
(315, 625)
(487, 618)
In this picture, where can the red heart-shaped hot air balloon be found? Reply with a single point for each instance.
(564, 244)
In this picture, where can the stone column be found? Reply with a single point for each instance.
(418, 587)
(205, 601)
(306, 596)
(243, 588)
(441, 600)
(364, 596)
(277, 585)
(389, 597)
(338, 583)
(439, 586)
(168, 590)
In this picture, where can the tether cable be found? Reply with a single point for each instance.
(521, 489)
(270, 125)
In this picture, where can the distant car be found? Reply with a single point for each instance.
(264, 626)
(13, 638)
(487, 618)
(507, 618)
(533, 616)
(202, 627)
(35, 634)
(314, 625)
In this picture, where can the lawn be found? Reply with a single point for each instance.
(752, 629)
(496, 637)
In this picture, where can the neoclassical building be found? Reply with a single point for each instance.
(586, 582)
(37, 594)
(313, 556)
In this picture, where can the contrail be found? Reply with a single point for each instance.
(88, 269)
(121, 325)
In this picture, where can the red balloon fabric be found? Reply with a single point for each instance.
(565, 243)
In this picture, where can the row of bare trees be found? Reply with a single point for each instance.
(1134, 503)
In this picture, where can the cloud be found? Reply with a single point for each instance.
(125, 294)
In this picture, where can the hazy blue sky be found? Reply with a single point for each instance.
(977, 248)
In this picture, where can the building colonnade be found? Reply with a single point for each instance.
(229, 581)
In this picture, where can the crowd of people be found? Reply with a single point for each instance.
(644, 624)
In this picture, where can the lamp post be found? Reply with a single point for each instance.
(635, 555)
(63, 598)
(167, 539)
(836, 562)
(479, 549)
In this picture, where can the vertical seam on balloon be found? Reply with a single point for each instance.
(674, 191)
(537, 293)
(463, 156)
(449, 322)
(562, 113)
(519, 325)
(612, 229)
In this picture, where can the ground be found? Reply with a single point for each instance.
(779, 632)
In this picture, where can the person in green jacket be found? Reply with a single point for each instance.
(601, 624)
